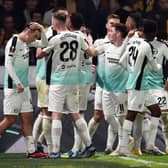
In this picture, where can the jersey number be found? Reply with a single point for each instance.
(133, 53)
(161, 100)
(72, 46)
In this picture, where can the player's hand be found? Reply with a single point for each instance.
(131, 33)
(93, 68)
(166, 41)
(36, 26)
(89, 40)
(20, 88)
(166, 85)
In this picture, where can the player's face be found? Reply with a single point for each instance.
(130, 24)
(32, 36)
(68, 23)
(54, 22)
(110, 23)
(113, 34)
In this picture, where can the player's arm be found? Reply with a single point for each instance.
(123, 59)
(95, 51)
(152, 60)
(43, 42)
(40, 53)
(165, 68)
(166, 84)
(9, 59)
(45, 51)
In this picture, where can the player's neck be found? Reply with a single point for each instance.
(61, 29)
(23, 37)
(118, 42)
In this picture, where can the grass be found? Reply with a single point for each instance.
(98, 161)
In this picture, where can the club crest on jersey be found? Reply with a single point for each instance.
(25, 56)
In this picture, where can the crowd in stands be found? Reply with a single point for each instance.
(15, 14)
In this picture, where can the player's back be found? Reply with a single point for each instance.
(138, 53)
(65, 51)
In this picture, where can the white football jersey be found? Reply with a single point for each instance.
(41, 63)
(17, 60)
(138, 53)
(64, 59)
(115, 77)
(160, 52)
(100, 62)
(16, 63)
(86, 75)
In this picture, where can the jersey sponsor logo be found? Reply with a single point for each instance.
(68, 66)
(112, 60)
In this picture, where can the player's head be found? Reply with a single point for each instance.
(118, 31)
(59, 18)
(75, 21)
(112, 19)
(134, 20)
(149, 29)
(32, 32)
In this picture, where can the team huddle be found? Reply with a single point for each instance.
(130, 76)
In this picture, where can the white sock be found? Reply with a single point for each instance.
(29, 141)
(112, 129)
(77, 141)
(109, 142)
(47, 131)
(92, 126)
(37, 128)
(153, 132)
(120, 131)
(165, 127)
(127, 128)
(112, 134)
(146, 125)
(56, 132)
(41, 138)
(82, 129)
(137, 132)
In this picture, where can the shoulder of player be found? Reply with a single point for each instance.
(69, 34)
(12, 42)
(101, 41)
(162, 42)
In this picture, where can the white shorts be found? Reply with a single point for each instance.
(98, 104)
(115, 103)
(161, 97)
(83, 96)
(15, 103)
(42, 93)
(138, 99)
(63, 98)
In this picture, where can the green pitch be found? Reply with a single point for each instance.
(98, 161)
